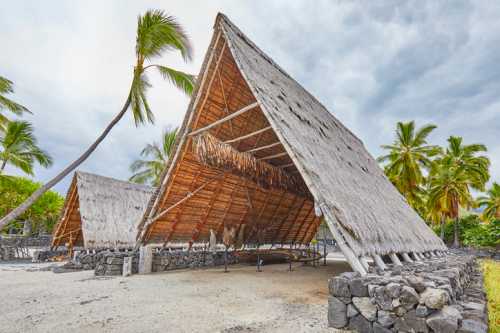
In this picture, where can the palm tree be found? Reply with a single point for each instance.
(474, 168)
(407, 157)
(492, 203)
(466, 156)
(156, 33)
(6, 87)
(148, 171)
(448, 191)
(19, 148)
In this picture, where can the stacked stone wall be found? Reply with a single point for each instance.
(435, 295)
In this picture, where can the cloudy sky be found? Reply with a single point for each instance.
(371, 65)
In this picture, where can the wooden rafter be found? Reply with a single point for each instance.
(249, 135)
(203, 220)
(303, 223)
(310, 233)
(263, 147)
(285, 236)
(227, 118)
(272, 156)
(276, 209)
(259, 216)
(280, 225)
(179, 213)
(218, 229)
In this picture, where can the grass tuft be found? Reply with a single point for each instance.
(491, 270)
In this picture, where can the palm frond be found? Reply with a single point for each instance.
(183, 81)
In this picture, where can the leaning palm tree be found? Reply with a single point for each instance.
(6, 87)
(19, 148)
(448, 191)
(406, 159)
(148, 170)
(492, 203)
(156, 33)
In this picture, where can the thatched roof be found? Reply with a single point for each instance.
(101, 212)
(247, 101)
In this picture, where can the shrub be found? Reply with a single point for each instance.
(472, 232)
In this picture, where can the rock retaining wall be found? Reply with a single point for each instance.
(111, 263)
(170, 260)
(435, 295)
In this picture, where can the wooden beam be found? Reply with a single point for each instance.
(179, 213)
(256, 221)
(272, 156)
(218, 230)
(277, 233)
(273, 215)
(249, 135)
(285, 236)
(263, 147)
(227, 118)
(203, 220)
(187, 197)
(303, 223)
(286, 166)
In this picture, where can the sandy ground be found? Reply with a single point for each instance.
(275, 300)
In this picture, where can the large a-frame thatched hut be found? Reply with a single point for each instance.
(101, 212)
(257, 152)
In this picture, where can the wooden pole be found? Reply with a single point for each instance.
(344, 247)
(249, 135)
(227, 118)
(406, 257)
(380, 263)
(395, 259)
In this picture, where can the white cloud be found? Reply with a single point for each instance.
(370, 64)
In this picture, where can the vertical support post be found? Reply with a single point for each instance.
(395, 259)
(225, 261)
(145, 259)
(324, 251)
(380, 263)
(258, 259)
(127, 266)
(406, 257)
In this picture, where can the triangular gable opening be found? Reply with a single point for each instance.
(232, 171)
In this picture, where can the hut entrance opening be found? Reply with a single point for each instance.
(233, 173)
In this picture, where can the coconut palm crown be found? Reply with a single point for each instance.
(408, 156)
(491, 202)
(148, 170)
(6, 87)
(19, 148)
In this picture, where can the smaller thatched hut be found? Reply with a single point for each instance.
(101, 212)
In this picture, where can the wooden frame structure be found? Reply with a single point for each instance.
(101, 212)
(261, 119)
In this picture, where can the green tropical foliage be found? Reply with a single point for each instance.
(43, 213)
(407, 158)
(148, 170)
(6, 104)
(473, 232)
(19, 148)
(437, 182)
(157, 33)
(491, 202)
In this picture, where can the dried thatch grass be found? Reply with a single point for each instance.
(211, 151)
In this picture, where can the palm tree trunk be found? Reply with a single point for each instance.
(38, 193)
(456, 242)
(442, 228)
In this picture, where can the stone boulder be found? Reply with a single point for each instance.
(365, 307)
(434, 298)
(337, 313)
(445, 320)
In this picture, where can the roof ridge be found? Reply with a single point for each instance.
(241, 34)
(110, 179)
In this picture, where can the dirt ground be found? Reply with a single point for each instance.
(209, 300)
